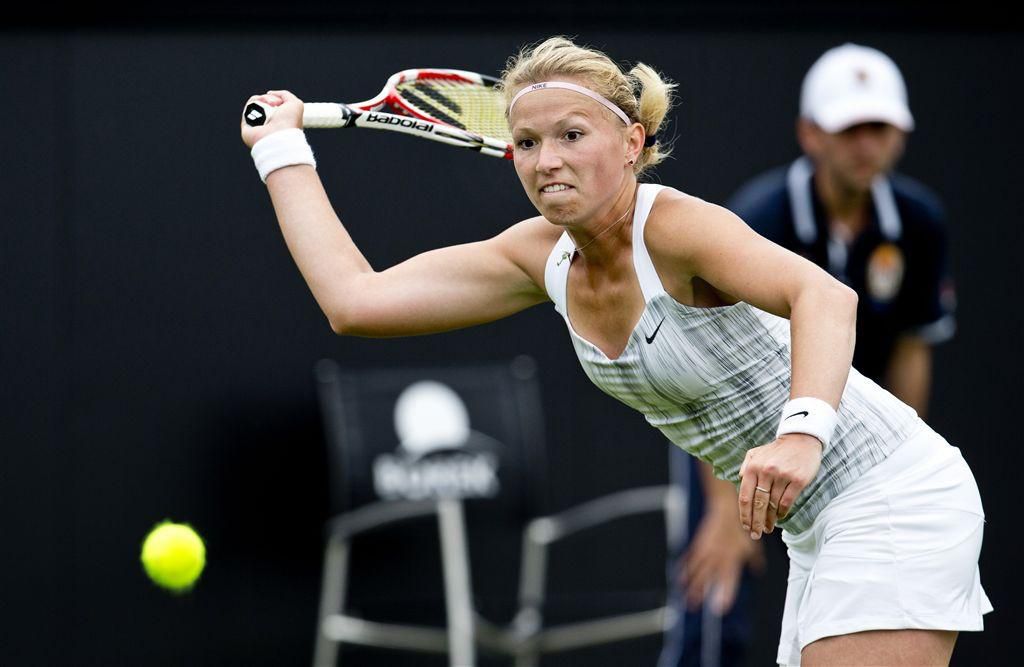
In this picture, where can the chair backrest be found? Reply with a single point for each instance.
(473, 432)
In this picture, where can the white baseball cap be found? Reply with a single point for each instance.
(853, 84)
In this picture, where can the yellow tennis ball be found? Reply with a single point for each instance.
(173, 556)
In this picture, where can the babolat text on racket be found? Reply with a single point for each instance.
(452, 106)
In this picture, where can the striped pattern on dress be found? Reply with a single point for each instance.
(714, 380)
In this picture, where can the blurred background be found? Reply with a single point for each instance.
(157, 342)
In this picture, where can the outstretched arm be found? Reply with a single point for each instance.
(436, 291)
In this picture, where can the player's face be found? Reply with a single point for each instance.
(570, 154)
(856, 155)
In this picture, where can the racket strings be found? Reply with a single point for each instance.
(472, 107)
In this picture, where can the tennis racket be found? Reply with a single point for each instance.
(452, 106)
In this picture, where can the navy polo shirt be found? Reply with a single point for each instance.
(898, 265)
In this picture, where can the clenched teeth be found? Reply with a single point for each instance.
(558, 187)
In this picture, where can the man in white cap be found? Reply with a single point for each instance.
(841, 206)
(883, 234)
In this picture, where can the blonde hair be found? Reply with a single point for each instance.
(641, 93)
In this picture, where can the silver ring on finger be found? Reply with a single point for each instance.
(761, 488)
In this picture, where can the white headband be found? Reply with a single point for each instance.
(579, 89)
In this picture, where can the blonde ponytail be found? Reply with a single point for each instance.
(643, 94)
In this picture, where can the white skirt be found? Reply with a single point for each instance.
(897, 549)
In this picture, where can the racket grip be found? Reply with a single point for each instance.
(314, 114)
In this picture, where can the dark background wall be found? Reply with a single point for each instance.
(157, 342)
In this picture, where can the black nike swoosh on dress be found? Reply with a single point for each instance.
(650, 339)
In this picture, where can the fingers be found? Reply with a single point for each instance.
(274, 98)
(759, 506)
(283, 95)
(754, 493)
(697, 575)
(772, 477)
(266, 99)
(772, 515)
(724, 592)
(745, 497)
(707, 578)
(277, 110)
(787, 499)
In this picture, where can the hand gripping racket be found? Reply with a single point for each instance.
(451, 106)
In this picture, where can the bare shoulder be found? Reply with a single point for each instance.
(681, 233)
(528, 244)
(529, 239)
(537, 229)
(678, 221)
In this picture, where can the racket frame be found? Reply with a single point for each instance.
(412, 121)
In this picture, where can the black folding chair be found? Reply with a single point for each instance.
(462, 446)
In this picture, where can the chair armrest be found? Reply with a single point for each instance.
(548, 529)
(370, 517)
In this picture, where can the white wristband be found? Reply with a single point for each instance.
(281, 149)
(811, 416)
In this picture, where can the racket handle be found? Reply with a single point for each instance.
(314, 114)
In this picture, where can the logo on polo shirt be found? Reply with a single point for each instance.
(886, 268)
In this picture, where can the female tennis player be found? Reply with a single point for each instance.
(736, 349)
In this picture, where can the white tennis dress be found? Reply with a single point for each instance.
(715, 380)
